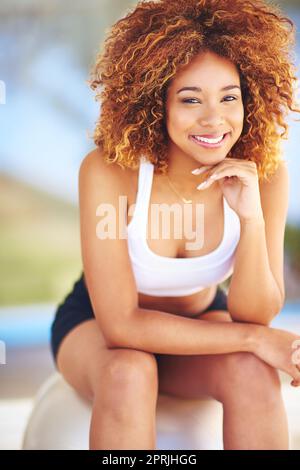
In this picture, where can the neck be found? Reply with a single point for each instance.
(179, 171)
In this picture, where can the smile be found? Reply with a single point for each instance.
(208, 144)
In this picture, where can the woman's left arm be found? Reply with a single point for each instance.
(256, 292)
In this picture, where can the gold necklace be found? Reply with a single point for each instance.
(186, 201)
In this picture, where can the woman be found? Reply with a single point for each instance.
(193, 91)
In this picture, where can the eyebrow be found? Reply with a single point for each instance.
(195, 88)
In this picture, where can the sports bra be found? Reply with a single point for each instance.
(158, 275)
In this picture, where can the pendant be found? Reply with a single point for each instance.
(187, 201)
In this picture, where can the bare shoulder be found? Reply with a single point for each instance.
(279, 180)
(275, 192)
(96, 168)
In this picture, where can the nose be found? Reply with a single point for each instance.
(211, 122)
(210, 116)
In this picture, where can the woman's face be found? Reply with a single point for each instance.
(210, 111)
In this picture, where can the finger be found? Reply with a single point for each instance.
(210, 179)
(218, 166)
(198, 171)
(229, 172)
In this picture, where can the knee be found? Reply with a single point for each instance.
(130, 368)
(247, 377)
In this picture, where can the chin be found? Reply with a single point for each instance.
(210, 160)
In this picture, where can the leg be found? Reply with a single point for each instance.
(256, 420)
(248, 388)
(121, 383)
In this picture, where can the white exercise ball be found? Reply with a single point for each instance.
(60, 419)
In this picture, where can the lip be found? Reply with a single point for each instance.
(207, 145)
(214, 135)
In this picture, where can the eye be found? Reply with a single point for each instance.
(188, 100)
(193, 100)
(230, 96)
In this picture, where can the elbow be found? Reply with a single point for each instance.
(260, 314)
(115, 337)
(117, 333)
(108, 336)
(111, 342)
(117, 341)
(255, 319)
(263, 316)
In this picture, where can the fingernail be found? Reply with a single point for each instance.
(202, 185)
(198, 171)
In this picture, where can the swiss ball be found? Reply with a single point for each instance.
(60, 419)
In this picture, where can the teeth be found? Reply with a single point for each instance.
(209, 141)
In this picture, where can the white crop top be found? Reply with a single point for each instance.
(157, 275)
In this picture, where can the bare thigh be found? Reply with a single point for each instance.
(83, 354)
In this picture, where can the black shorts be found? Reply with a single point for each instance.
(77, 308)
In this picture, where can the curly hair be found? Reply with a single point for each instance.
(144, 50)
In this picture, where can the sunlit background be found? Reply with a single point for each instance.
(47, 115)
